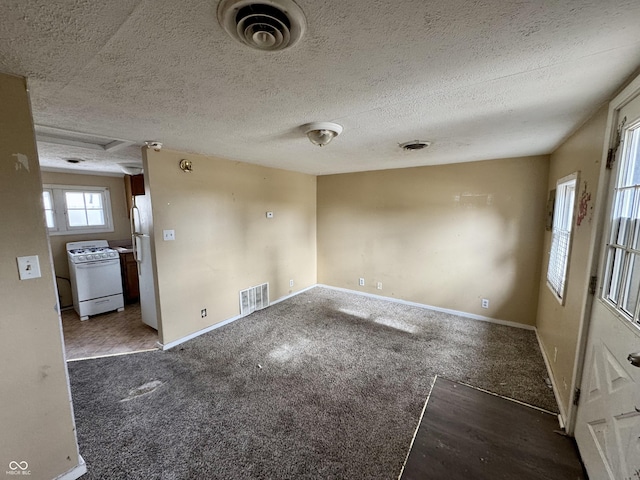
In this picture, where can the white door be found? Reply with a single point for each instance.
(608, 417)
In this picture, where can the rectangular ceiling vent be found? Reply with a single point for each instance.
(254, 298)
(69, 138)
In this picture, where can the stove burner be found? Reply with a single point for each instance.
(81, 251)
(92, 254)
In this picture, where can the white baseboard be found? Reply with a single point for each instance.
(562, 420)
(167, 346)
(75, 472)
(459, 313)
(282, 299)
(175, 343)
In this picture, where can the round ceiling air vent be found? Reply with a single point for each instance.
(415, 145)
(268, 25)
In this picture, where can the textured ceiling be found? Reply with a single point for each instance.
(480, 79)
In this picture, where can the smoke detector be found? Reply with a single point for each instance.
(157, 146)
(268, 25)
(414, 145)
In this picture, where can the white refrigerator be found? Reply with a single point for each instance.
(141, 239)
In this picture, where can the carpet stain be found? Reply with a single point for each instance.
(145, 389)
(289, 351)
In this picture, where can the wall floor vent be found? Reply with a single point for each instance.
(254, 298)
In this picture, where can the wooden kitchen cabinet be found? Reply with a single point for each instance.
(133, 185)
(130, 286)
(137, 184)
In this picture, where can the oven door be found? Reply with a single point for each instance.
(98, 279)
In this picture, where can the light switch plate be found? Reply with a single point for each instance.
(169, 235)
(29, 267)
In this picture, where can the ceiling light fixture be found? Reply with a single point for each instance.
(321, 133)
(130, 168)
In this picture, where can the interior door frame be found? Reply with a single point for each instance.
(603, 200)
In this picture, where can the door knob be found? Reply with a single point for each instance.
(634, 358)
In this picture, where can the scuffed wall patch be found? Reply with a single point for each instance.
(551, 202)
(584, 206)
(22, 162)
(473, 200)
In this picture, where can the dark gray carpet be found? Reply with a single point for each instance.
(323, 385)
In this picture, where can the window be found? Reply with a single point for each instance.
(622, 268)
(561, 235)
(75, 209)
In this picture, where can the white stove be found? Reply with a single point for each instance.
(96, 282)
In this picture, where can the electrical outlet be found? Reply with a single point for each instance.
(203, 312)
(168, 235)
(291, 283)
(361, 283)
(485, 303)
(379, 286)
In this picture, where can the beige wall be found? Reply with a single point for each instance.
(444, 236)
(36, 420)
(558, 326)
(224, 242)
(120, 222)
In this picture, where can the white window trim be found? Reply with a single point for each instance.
(560, 291)
(55, 226)
(60, 209)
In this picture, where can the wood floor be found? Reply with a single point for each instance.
(107, 334)
(466, 434)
